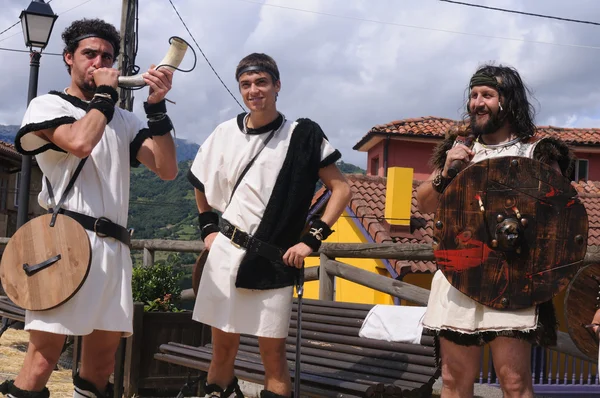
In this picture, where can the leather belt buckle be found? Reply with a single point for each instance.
(235, 229)
(100, 234)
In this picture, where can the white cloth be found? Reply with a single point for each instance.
(104, 301)
(218, 164)
(450, 309)
(400, 323)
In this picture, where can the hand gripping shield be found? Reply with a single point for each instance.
(510, 232)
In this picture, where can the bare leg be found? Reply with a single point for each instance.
(98, 357)
(460, 366)
(41, 358)
(277, 374)
(225, 347)
(512, 361)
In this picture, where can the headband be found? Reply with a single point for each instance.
(482, 79)
(256, 68)
(98, 35)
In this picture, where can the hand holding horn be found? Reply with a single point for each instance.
(171, 61)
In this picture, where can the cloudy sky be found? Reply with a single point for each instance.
(347, 64)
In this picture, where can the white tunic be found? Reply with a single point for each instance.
(104, 302)
(450, 309)
(218, 164)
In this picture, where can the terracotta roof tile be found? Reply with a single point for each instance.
(431, 126)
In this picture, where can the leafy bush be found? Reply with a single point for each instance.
(157, 287)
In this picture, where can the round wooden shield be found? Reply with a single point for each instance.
(510, 232)
(65, 247)
(581, 302)
(197, 271)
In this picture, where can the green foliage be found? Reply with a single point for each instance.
(348, 168)
(158, 287)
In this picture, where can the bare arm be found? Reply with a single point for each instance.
(81, 137)
(159, 154)
(333, 179)
(427, 196)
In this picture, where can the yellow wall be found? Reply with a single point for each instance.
(347, 232)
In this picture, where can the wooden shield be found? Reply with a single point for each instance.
(510, 232)
(197, 271)
(581, 302)
(66, 246)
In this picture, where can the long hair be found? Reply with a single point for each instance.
(513, 96)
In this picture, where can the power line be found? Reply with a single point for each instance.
(25, 51)
(521, 12)
(420, 27)
(202, 52)
(10, 27)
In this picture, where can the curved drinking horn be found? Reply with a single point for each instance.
(172, 60)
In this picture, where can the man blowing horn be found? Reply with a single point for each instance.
(62, 128)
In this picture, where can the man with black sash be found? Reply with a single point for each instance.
(259, 169)
(61, 129)
(502, 118)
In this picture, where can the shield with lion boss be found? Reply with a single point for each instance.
(510, 232)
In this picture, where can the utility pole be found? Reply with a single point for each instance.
(129, 12)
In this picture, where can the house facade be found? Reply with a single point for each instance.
(410, 142)
(10, 173)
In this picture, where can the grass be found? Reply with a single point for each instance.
(13, 345)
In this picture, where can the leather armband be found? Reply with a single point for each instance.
(209, 223)
(318, 232)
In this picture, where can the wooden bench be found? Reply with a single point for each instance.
(11, 314)
(335, 361)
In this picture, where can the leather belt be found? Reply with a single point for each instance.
(240, 238)
(102, 226)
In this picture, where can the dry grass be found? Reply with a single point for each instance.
(13, 344)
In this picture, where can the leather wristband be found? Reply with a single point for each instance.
(104, 89)
(104, 105)
(160, 125)
(318, 232)
(209, 223)
(151, 109)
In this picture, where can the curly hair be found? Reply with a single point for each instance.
(93, 27)
(513, 92)
(261, 60)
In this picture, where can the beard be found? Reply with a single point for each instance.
(493, 124)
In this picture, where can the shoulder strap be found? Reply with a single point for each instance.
(58, 206)
(271, 134)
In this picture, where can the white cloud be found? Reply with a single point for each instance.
(348, 74)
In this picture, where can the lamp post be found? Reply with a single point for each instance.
(37, 22)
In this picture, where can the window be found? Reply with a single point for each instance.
(581, 170)
(17, 185)
(375, 166)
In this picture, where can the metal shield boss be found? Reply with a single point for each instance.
(510, 232)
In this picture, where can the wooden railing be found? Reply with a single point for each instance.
(329, 269)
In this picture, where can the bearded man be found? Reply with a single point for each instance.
(502, 118)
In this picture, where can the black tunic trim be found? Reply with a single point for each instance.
(48, 124)
(330, 159)
(77, 102)
(274, 125)
(135, 145)
(195, 181)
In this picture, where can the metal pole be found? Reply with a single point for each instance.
(23, 200)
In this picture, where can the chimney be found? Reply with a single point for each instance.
(398, 198)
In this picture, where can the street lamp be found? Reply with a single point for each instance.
(37, 22)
